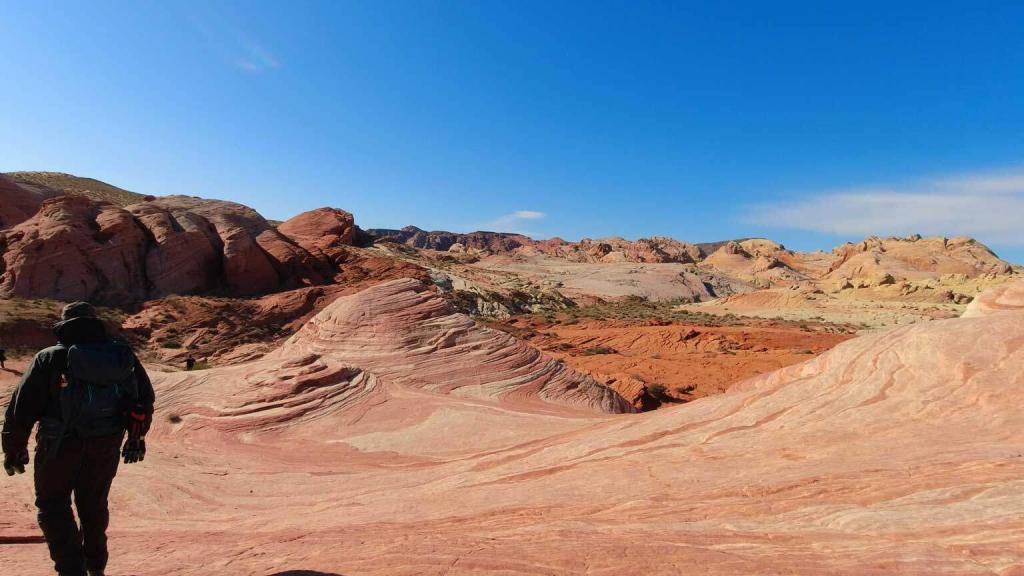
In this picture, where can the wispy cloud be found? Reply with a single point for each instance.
(988, 206)
(514, 222)
(255, 57)
(236, 48)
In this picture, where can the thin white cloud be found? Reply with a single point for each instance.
(248, 65)
(236, 48)
(260, 54)
(257, 58)
(987, 206)
(514, 222)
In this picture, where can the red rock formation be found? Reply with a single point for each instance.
(762, 263)
(256, 258)
(325, 233)
(495, 242)
(16, 203)
(77, 248)
(608, 250)
(224, 330)
(689, 361)
(656, 250)
(185, 252)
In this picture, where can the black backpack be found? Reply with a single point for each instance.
(101, 388)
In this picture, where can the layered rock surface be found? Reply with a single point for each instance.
(891, 280)
(915, 258)
(1006, 298)
(406, 334)
(611, 250)
(324, 232)
(760, 262)
(585, 282)
(75, 248)
(223, 330)
(894, 453)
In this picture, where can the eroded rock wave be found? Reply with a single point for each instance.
(394, 334)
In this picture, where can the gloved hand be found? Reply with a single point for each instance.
(15, 463)
(139, 420)
(134, 450)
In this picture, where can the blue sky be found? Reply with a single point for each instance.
(808, 122)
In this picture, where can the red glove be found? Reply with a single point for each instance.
(139, 420)
(134, 450)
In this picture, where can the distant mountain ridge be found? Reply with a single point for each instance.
(67, 237)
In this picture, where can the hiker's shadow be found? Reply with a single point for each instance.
(305, 573)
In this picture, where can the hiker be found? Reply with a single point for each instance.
(190, 362)
(3, 358)
(85, 393)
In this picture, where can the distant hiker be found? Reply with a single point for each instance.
(85, 393)
(190, 362)
(3, 358)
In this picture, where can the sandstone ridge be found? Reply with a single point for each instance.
(395, 335)
(75, 248)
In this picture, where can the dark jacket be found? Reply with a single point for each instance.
(36, 395)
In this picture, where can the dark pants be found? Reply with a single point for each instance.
(85, 467)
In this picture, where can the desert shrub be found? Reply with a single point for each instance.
(658, 392)
(170, 342)
(598, 350)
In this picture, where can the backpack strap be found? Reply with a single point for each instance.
(59, 396)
